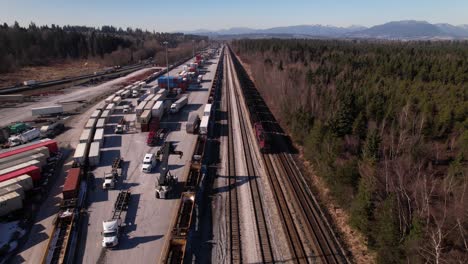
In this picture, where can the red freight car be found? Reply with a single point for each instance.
(33, 171)
(72, 184)
(50, 144)
(262, 137)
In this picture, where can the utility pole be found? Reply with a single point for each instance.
(193, 48)
(167, 64)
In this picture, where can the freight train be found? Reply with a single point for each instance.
(258, 110)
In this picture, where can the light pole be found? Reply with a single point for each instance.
(167, 64)
(193, 48)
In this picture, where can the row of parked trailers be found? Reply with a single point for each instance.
(23, 168)
(175, 247)
(151, 109)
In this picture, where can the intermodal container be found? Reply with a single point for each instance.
(10, 202)
(99, 136)
(110, 98)
(33, 171)
(140, 107)
(94, 154)
(49, 143)
(25, 181)
(117, 100)
(158, 110)
(96, 114)
(12, 188)
(19, 167)
(79, 154)
(149, 105)
(85, 135)
(100, 123)
(150, 97)
(105, 114)
(91, 123)
(163, 93)
(207, 110)
(42, 150)
(101, 106)
(41, 158)
(145, 117)
(72, 184)
(204, 125)
(110, 107)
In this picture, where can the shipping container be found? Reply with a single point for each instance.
(94, 154)
(42, 150)
(25, 181)
(207, 110)
(175, 107)
(20, 166)
(158, 110)
(101, 106)
(150, 97)
(47, 110)
(204, 125)
(110, 107)
(158, 97)
(79, 154)
(12, 188)
(85, 136)
(91, 123)
(192, 123)
(41, 158)
(145, 117)
(154, 89)
(163, 93)
(33, 171)
(140, 107)
(110, 98)
(118, 93)
(10, 203)
(125, 94)
(96, 114)
(117, 100)
(105, 114)
(49, 143)
(142, 98)
(72, 184)
(99, 136)
(144, 127)
(17, 128)
(149, 105)
(101, 123)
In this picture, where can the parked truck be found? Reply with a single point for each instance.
(175, 107)
(204, 125)
(112, 228)
(47, 110)
(149, 162)
(52, 130)
(24, 137)
(110, 178)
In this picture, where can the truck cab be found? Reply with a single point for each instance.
(135, 93)
(149, 161)
(126, 109)
(109, 179)
(110, 233)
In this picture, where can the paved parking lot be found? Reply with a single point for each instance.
(148, 219)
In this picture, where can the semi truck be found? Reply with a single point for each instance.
(24, 137)
(112, 228)
(149, 161)
(165, 185)
(110, 178)
(47, 110)
(193, 123)
(175, 107)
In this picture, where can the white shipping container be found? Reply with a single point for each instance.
(145, 117)
(12, 188)
(101, 106)
(117, 100)
(100, 123)
(10, 202)
(42, 150)
(85, 136)
(79, 153)
(96, 114)
(119, 92)
(91, 123)
(207, 110)
(158, 110)
(204, 125)
(163, 92)
(149, 97)
(149, 105)
(99, 136)
(110, 107)
(125, 94)
(94, 154)
(41, 158)
(20, 166)
(154, 89)
(105, 114)
(25, 181)
(109, 99)
(140, 107)
(47, 110)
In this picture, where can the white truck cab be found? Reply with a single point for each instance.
(149, 161)
(110, 233)
(126, 109)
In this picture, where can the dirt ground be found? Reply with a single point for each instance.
(56, 70)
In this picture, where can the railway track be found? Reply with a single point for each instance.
(305, 225)
(259, 212)
(235, 247)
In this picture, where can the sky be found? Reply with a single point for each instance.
(183, 15)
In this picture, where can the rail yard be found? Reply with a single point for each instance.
(137, 162)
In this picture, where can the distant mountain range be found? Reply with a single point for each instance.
(407, 29)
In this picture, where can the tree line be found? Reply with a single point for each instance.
(385, 125)
(40, 45)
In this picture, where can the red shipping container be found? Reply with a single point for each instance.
(144, 127)
(72, 184)
(154, 124)
(33, 171)
(50, 144)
